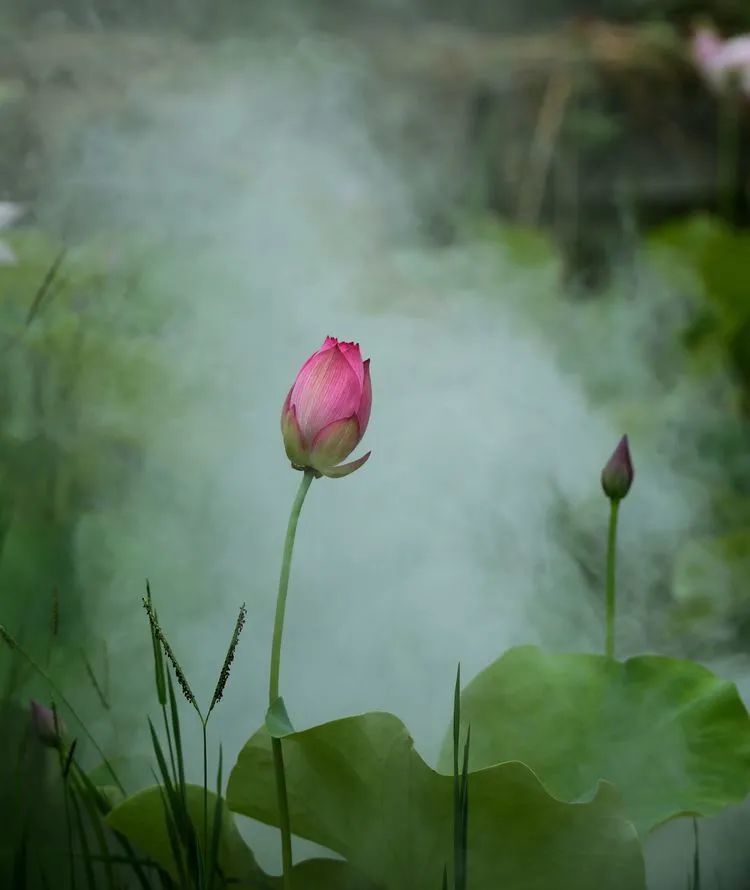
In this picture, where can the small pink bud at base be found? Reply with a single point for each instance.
(43, 723)
(327, 410)
(617, 475)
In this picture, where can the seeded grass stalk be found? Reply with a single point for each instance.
(13, 644)
(273, 688)
(609, 643)
(197, 865)
(161, 685)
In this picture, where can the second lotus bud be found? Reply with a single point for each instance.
(618, 472)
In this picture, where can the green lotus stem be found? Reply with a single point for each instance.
(273, 688)
(609, 646)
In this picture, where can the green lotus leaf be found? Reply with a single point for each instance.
(670, 735)
(357, 786)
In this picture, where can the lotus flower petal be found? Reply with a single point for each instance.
(334, 443)
(363, 414)
(346, 469)
(326, 390)
(352, 354)
(293, 440)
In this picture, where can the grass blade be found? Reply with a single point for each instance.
(91, 806)
(176, 735)
(94, 682)
(463, 852)
(176, 812)
(84, 841)
(456, 781)
(174, 841)
(68, 757)
(44, 287)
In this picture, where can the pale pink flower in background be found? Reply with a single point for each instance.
(721, 60)
(9, 213)
(43, 723)
(326, 412)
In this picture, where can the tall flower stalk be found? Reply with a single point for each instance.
(617, 477)
(273, 686)
(324, 418)
(609, 641)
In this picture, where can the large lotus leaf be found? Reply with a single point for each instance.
(140, 819)
(672, 736)
(357, 786)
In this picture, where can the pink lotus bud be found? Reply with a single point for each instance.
(327, 410)
(617, 475)
(43, 724)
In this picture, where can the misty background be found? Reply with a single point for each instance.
(231, 187)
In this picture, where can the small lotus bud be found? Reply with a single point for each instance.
(45, 728)
(617, 475)
(326, 412)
